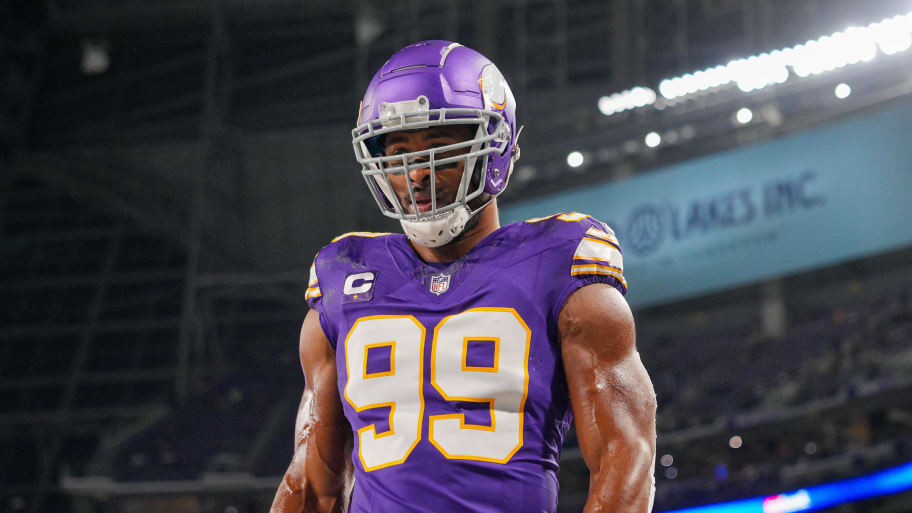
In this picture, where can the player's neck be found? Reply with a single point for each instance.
(488, 222)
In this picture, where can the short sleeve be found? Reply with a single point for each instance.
(314, 297)
(592, 255)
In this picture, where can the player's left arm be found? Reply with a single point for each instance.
(614, 403)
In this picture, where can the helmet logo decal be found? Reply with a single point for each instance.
(493, 87)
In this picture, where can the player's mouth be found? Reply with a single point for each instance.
(423, 202)
(422, 196)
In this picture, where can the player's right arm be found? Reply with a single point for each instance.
(319, 477)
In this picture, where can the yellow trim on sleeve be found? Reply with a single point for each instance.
(312, 292)
(581, 269)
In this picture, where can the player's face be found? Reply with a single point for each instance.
(447, 176)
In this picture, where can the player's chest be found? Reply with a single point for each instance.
(459, 360)
(473, 324)
(477, 318)
(480, 320)
(437, 292)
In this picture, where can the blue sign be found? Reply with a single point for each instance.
(886, 482)
(796, 203)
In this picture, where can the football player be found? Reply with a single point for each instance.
(444, 366)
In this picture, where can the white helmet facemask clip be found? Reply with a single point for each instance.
(438, 232)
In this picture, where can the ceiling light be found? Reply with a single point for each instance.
(842, 91)
(575, 159)
(744, 115)
(626, 100)
(653, 139)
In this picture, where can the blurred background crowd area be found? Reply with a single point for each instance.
(169, 170)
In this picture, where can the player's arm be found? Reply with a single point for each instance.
(319, 477)
(614, 404)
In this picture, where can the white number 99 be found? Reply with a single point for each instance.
(502, 385)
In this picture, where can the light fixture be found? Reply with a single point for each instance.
(735, 442)
(744, 115)
(630, 147)
(653, 139)
(95, 57)
(810, 448)
(826, 53)
(575, 159)
(892, 35)
(842, 91)
(626, 100)
(525, 173)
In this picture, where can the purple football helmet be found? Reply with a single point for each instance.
(433, 83)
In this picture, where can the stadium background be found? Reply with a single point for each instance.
(170, 168)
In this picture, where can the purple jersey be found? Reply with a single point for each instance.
(451, 374)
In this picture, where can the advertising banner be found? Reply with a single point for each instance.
(796, 203)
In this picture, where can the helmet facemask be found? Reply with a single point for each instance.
(440, 224)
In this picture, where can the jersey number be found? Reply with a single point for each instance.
(503, 385)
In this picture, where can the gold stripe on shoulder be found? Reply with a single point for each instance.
(600, 241)
(572, 217)
(599, 234)
(540, 219)
(360, 234)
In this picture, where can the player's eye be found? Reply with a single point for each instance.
(450, 165)
(450, 154)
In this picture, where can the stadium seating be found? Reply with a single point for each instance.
(708, 384)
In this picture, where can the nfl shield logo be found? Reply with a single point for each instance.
(440, 283)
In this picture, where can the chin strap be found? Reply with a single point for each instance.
(437, 232)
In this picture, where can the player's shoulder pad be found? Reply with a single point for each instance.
(565, 226)
(367, 235)
(344, 252)
(349, 248)
(595, 248)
